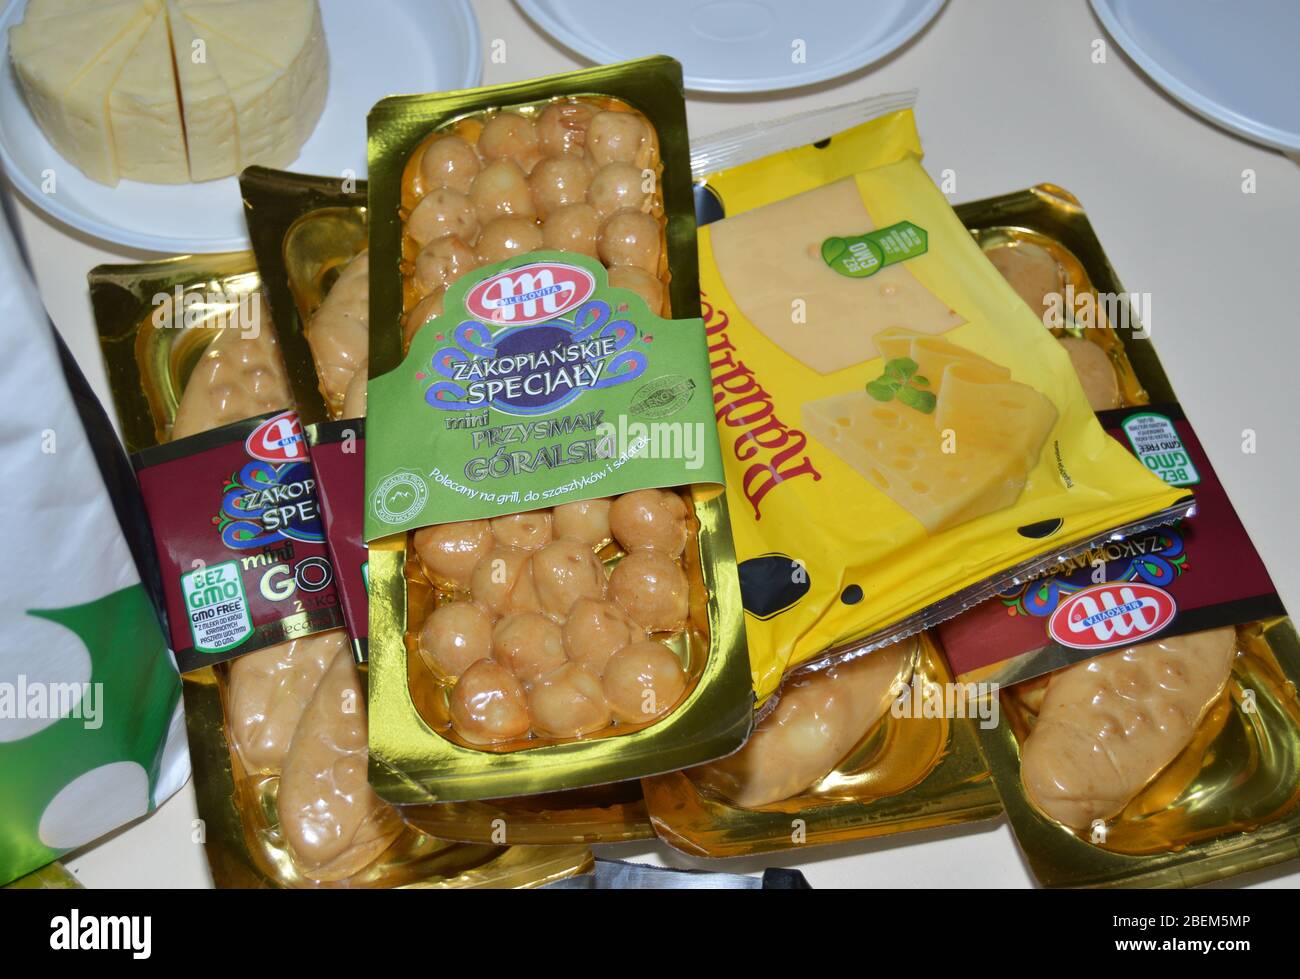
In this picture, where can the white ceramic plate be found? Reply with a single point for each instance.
(1234, 63)
(376, 48)
(738, 45)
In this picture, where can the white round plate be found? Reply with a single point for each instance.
(738, 45)
(1234, 63)
(376, 48)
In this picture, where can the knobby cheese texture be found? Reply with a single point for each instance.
(239, 374)
(335, 824)
(270, 689)
(1111, 724)
(169, 92)
(819, 719)
(770, 259)
(968, 457)
(296, 709)
(339, 335)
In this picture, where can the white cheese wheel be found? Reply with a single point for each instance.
(175, 91)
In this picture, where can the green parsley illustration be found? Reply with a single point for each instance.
(901, 380)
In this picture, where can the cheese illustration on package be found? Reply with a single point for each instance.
(897, 425)
(947, 459)
(167, 92)
(814, 313)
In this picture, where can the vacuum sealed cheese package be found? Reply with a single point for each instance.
(309, 239)
(901, 435)
(1148, 725)
(553, 596)
(850, 751)
(309, 236)
(274, 703)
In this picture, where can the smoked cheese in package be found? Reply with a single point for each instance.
(1148, 727)
(847, 752)
(902, 438)
(553, 599)
(309, 235)
(274, 703)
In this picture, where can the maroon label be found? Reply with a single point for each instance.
(240, 541)
(338, 456)
(1194, 575)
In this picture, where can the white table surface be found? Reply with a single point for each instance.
(1010, 96)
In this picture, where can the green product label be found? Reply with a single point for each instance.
(1156, 443)
(217, 605)
(541, 384)
(862, 255)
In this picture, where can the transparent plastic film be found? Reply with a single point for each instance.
(846, 751)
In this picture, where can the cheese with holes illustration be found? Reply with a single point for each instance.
(933, 355)
(1001, 413)
(899, 451)
(966, 456)
(771, 261)
(919, 433)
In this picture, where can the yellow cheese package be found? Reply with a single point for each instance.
(901, 436)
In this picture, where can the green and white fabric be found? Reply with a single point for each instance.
(91, 735)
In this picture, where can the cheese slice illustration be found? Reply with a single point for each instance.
(770, 259)
(969, 457)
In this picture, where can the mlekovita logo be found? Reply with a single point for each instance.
(530, 294)
(538, 337)
(278, 439)
(1110, 615)
(273, 497)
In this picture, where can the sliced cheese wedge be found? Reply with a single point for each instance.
(44, 9)
(263, 94)
(770, 259)
(275, 30)
(211, 130)
(1111, 724)
(969, 456)
(135, 88)
(146, 113)
(86, 104)
(53, 54)
(280, 110)
(989, 411)
(899, 451)
(934, 357)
